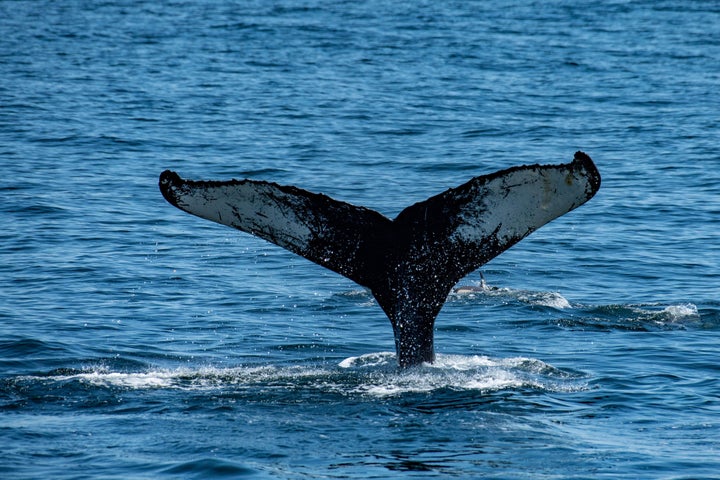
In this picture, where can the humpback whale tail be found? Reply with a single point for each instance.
(411, 263)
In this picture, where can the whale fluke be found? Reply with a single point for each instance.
(411, 263)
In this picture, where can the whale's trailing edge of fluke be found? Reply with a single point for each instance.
(411, 263)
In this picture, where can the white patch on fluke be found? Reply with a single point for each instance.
(243, 206)
(521, 202)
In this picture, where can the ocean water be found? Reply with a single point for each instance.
(139, 342)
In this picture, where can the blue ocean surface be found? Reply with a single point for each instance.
(137, 341)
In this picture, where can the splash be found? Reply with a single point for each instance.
(456, 373)
(374, 375)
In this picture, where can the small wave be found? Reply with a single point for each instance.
(362, 297)
(545, 299)
(138, 380)
(211, 468)
(642, 317)
(22, 347)
(379, 359)
(681, 312)
(203, 378)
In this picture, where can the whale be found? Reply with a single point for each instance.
(410, 263)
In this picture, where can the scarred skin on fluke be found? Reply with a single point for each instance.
(411, 263)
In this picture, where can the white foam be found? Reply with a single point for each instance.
(456, 372)
(369, 360)
(668, 315)
(545, 299)
(680, 312)
(153, 379)
(188, 378)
